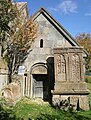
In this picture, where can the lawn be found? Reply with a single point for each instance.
(33, 111)
(28, 109)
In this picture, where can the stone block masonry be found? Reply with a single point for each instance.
(69, 77)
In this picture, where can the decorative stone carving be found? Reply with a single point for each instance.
(68, 64)
(39, 69)
(61, 67)
(76, 67)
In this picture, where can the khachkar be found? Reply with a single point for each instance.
(69, 78)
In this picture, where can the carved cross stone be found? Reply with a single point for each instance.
(69, 77)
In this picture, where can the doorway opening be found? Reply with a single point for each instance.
(40, 86)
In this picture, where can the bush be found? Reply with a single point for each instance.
(27, 110)
(88, 79)
(6, 113)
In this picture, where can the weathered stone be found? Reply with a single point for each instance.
(65, 81)
(69, 77)
(12, 92)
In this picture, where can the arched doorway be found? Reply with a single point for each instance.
(40, 82)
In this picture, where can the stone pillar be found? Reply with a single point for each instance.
(28, 83)
(69, 76)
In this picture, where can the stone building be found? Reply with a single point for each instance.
(53, 70)
(69, 78)
(40, 79)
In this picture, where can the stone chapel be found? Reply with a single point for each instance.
(54, 69)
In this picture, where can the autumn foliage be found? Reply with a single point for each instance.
(84, 39)
(17, 38)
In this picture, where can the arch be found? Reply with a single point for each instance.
(39, 68)
(39, 81)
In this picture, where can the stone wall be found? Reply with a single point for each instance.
(69, 77)
(51, 39)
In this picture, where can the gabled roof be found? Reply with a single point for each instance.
(57, 25)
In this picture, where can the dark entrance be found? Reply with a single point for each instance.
(40, 89)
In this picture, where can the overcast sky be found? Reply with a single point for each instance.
(73, 15)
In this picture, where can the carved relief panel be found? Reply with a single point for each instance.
(75, 67)
(61, 67)
(68, 64)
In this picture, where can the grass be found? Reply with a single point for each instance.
(88, 79)
(33, 111)
(28, 109)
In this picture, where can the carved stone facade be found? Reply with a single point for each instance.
(69, 77)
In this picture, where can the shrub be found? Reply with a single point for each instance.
(88, 79)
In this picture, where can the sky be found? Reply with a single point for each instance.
(73, 15)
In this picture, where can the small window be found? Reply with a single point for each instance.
(41, 43)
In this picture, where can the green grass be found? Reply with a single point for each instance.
(26, 109)
(33, 111)
(85, 114)
(88, 79)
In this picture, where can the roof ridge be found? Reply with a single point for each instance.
(57, 24)
(44, 10)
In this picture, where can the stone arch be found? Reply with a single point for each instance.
(39, 68)
(39, 81)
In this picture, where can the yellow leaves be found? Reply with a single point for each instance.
(31, 29)
(84, 40)
(23, 33)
